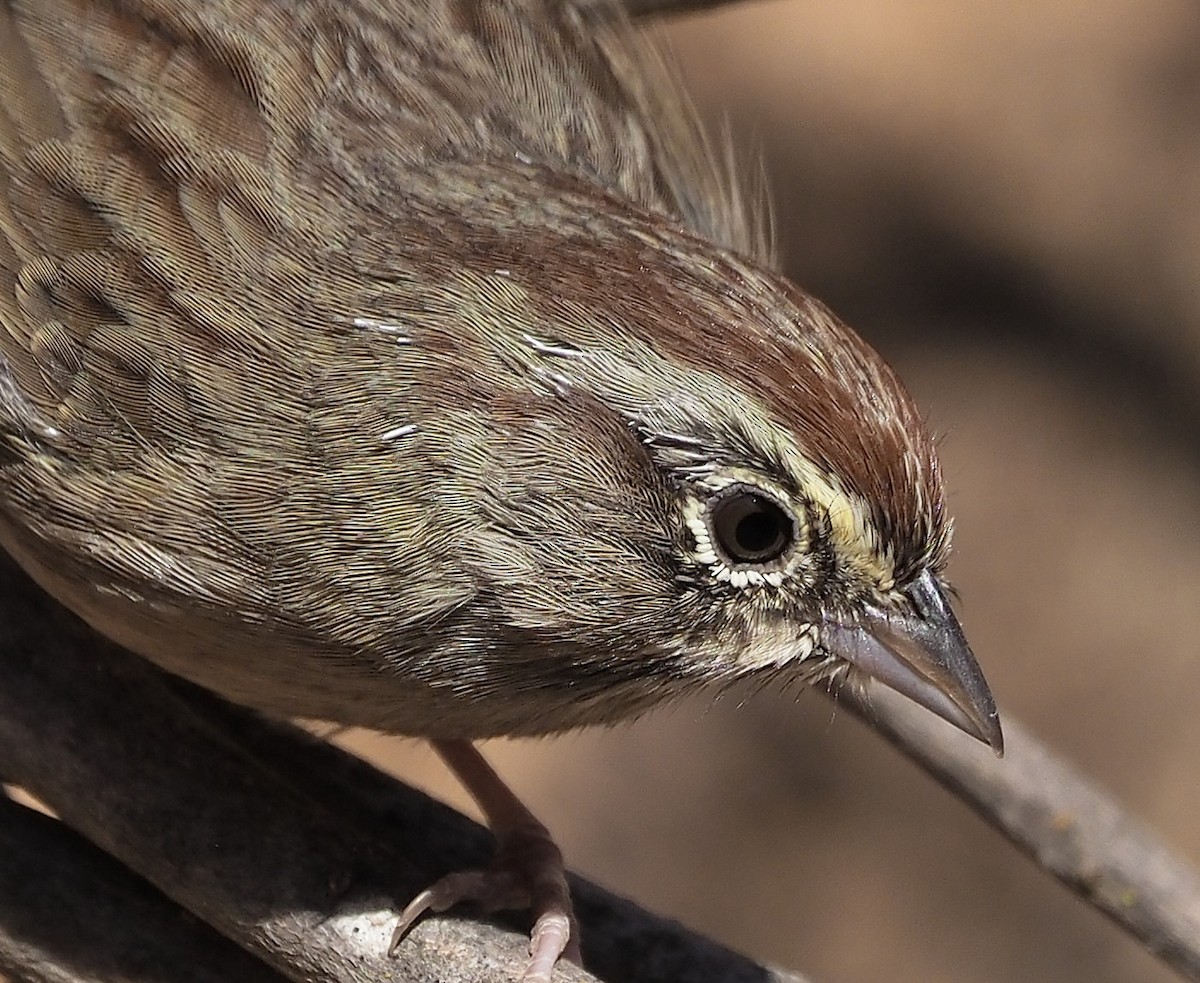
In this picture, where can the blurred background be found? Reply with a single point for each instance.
(1005, 198)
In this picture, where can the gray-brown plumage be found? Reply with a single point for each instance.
(410, 364)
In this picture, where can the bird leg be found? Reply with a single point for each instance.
(527, 872)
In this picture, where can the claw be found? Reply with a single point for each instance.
(499, 889)
(528, 872)
(550, 940)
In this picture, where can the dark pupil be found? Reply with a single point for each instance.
(757, 532)
(751, 528)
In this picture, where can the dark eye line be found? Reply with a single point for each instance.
(821, 555)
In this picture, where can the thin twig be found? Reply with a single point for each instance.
(1070, 827)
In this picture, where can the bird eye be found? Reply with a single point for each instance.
(749, 527)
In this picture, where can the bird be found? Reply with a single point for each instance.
(423, 365)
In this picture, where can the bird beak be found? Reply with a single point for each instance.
(924, 655)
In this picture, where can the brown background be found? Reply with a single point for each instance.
(1005, 197)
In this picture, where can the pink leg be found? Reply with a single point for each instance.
(528, 870)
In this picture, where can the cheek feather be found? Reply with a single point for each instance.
(783, 645)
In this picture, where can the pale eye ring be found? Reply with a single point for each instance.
(749, 526)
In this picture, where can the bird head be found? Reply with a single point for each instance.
(705, 476)
(815, 512)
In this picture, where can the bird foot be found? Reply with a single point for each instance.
(527, 872)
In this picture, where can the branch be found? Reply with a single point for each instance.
(296, 851)
(288, 847)
(69, 914)
(1070, 827)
